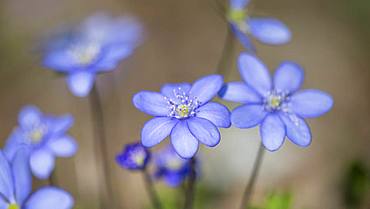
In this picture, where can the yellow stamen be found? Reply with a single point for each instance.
(182, 110)
(13, 206)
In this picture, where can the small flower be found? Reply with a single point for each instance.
(16, 187)
(134, 157)
(185, 112)
(95, 46)
(266, 30)
(45, 136)
(171, 167)
(275, 104)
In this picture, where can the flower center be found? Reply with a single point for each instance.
(238, 17)
(139, 158)
(85, 53)
(275, 101)
(183, 106)
(13, 206)
(174, 164)
(36, 135)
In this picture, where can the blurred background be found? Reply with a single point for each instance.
(184, 40)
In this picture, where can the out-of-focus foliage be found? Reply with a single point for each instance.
(356, 185)
(277, 200)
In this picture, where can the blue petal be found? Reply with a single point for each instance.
(255, 73)
(29, 116)
(22, 175)
(151, 103)
(248, 116)
(171, 90)
(50, 197)
(272, 132)
(42, 163)
(60, 60)
(269, 30)
(173, 179)
(217, 113)
(157, 129)
(311, 103)
(297, 129)
(112, 56)
(244, 39)
(288, 77)
(184, 143)
(206, 88)
(6, 179)
(205, 131)
(60, 124)
(239, 92)
(13, 143)
(80, 83)
(239, 4)
(3, 204)
(64, 146)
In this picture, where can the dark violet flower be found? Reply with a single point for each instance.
(95, 46)
(266, 30)
(275, 103)
(185, 112)
(170, 167)
(16, 187)
(134, 157)
(45, 136)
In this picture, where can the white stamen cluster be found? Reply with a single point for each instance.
(85, 53)
(184, 106)
(276, 101)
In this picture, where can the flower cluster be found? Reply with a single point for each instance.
(95, 46)
(31, 149)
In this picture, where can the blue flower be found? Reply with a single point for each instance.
(266, 30)
(275, 104)
(95, 46)
(16, 187)
(170, 167)
(45, 136)
(134, 157)
(185, 112)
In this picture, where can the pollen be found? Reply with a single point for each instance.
(85, 54)
(174, 164)
(13, 206)
(36, 135)
(237, 15)
(183, 110)
(139, 159)
(274, 102)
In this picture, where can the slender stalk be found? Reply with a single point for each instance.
(190, 191)
(107, 196)
(53, 179)
(226, 54)
(153, 195)
(253, 178)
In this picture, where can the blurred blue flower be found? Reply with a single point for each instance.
(45, 136)
(134, 157)
(170, 167)
(185, 112)
(95, 46)
(266, 30)
(16, 187)
(275, 103)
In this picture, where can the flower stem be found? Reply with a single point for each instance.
(252, 180)
(224, 61)
(53, 179)
(107, 197)
(190, 190)
(151, 190)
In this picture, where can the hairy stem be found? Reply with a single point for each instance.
(101, 147)
(190, 190)
(151, 190)
(253, 178)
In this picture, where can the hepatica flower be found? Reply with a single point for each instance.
(95, 46)
(275, 103)
(45, 136)
(134, 157)
(185, 112)
(16, 186)
(266, 30)
(170, 167)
